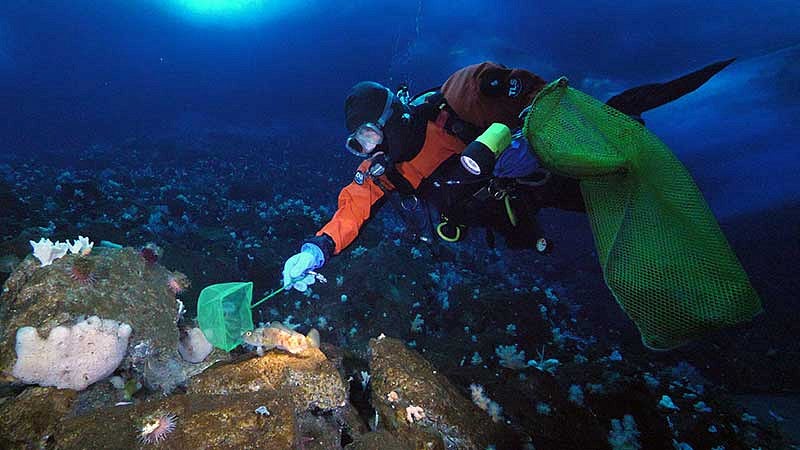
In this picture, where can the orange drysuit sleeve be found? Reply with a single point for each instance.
(356, 201)
(355, 207)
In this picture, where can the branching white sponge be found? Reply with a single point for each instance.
(71, 357)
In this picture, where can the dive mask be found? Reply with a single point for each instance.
(364, 140)
(370, 134)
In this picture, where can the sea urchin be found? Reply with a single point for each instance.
(82, 270)
(156, 428)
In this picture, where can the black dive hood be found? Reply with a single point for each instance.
(403, 135)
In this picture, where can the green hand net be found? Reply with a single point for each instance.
(662, 253)
(223, 313)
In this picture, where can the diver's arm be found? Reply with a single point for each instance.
(356, 203)
(358, 200)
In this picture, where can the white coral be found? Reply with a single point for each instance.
(46, 251)
(71, 357)
(510, 357)
(81, 246)
(483, 402)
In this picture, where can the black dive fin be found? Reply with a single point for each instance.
(635, 101)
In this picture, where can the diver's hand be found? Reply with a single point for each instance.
(296, 268)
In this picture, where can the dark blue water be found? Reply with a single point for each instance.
(238, 107)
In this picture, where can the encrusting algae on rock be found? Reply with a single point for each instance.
(111, 284)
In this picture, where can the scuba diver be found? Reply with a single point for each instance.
(434, 147)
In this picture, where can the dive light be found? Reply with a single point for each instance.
(480, 155)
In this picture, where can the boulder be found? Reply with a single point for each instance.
(308, 378)
(425, 410)
(201, 422)
(276, 401)
(112, 284)
(30, 419)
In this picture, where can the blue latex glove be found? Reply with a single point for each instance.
(297, 267)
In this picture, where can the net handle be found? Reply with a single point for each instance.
(277, 291)
(272, 294)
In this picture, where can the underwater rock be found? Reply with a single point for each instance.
(308, 379)
(29, 419)
(200, 421)
(124, 288)
(97, 396)
(353, 425)
(315, 430)
(450, 420)
(381, 439)
(8, 263)
(278, 401)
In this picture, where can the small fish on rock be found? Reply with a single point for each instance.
(278, 335)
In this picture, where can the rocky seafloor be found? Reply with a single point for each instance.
(423, 345)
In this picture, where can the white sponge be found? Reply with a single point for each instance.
(71, 357)
(193, 346)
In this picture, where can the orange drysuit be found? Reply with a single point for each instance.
(466, 92)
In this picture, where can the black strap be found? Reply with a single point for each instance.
(436, 104)
(430, 109)
(400, 183)
(461, 129)
(423, 93)
(389, 170)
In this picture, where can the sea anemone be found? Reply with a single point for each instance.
(156, 427)
(178, 282)
(82, 270)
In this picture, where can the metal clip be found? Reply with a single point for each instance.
(496, 191)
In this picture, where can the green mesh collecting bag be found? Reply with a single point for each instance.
(662, 253)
